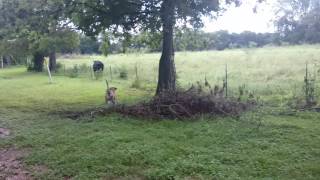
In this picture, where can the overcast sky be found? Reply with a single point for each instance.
(239, 19)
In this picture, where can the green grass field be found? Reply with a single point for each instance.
(268, 143)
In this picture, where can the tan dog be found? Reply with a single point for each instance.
(111, 95)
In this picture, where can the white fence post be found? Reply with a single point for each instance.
(48, 68)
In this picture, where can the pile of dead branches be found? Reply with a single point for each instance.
(186, 104)
(174, 105)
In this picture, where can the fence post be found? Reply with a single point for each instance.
(136, 69)
(91, 72)
(110, 73)
(47, 62)
(226, 80)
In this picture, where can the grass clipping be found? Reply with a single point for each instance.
(184, 105)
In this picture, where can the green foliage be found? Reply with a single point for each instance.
(191, 40)
(136, 84)
(105, 45)
(123, 72)
(298, 21)
(94, 17)
(89, 45)
(74, 72)
(309, 88)
(65, 41)
(129, 14)
(150, 41)
(82, 70)
(36, 26)
(187, 39)
(59, 67)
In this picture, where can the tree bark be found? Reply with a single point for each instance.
(52, 61)
(6, 60)
(167, 71)
(2, 65)
(38, 59)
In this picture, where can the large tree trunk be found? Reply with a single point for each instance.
(52, 61)
(38, 59)
(2, 62)
(6, 60)
(167, 71)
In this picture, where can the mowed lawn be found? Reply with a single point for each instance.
(272, 142)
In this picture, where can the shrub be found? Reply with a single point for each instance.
(29, 65)
(84, 68)
(74, 71)
(123, 73)
(136, 84)
(59, 67)
(309, 88)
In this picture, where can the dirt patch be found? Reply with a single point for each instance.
(4, 132)
(11, 166)
(40, 169)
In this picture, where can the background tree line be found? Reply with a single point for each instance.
(298, 21)
(197, 40)
(36, 29)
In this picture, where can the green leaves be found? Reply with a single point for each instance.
(94, 16)
(104, 48)
(298, 21)
(37, 23)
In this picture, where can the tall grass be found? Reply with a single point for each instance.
(266, 71)
(259, 145)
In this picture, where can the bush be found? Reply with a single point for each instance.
(84, 68)
(136, 84)
(74, 71)
(29, 65)
(30, 68)
(123, 73)
(59, 67)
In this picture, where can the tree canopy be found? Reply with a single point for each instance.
(95, 16)
(299, 21)
(39, 25)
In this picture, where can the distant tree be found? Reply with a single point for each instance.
(62, 40)
(188, 39)
(221, 40)
(298, 21)
(89, 45)
(39, 24)
(311, 25)
(105, 45)
(126, 41)
(9, 43)
(94, 16)
(146, 40)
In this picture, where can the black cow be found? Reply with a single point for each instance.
(97, 66)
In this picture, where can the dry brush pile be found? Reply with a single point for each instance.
(176, 105)
(185, 104)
